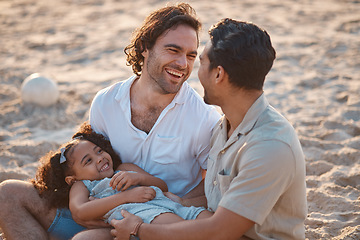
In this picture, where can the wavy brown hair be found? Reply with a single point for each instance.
(50, 176)
(155, 25)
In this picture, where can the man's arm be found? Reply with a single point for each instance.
(195, 197)
(196, 191)
(199, 201)
(224, 224)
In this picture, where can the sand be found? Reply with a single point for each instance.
(315, 83)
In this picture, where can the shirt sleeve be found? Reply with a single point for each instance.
(265, 171)
(95, 117)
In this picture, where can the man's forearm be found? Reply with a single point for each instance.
(196, 192)
(224, 224)
(189, 230)
(197, 202)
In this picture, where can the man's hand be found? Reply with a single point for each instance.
(123, 228)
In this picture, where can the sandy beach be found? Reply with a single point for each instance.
(315, 83)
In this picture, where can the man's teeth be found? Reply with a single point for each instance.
(175, 73)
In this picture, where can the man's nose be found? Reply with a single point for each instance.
(181, 61)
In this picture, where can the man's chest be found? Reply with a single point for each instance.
(145, 118)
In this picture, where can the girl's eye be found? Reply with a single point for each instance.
(100, 150)
(87, 161)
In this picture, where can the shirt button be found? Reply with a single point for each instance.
(215, 182)
(222, 151)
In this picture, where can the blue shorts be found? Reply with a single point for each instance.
(64, 227)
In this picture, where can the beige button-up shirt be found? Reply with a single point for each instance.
(259, 173)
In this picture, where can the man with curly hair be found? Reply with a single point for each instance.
(154, 119)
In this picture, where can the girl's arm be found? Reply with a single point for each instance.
(124, 179)
(84, 209)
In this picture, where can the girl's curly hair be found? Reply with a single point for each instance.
(155, 25)
(50, 176)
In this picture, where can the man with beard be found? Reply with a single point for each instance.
(154, 120)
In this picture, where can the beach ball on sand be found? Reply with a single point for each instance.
(39, 90)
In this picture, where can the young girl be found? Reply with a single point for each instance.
(88, 166)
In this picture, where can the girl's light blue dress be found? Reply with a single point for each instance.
(148, 210)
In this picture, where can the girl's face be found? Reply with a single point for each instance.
(90, 162)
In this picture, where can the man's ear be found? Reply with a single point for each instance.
(220, 74)
(70, 180)
(145, 53)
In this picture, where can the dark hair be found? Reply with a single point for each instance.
(50, 176)
(155, 25)
(244, 50)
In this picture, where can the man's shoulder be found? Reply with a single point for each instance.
(190, 92)
(199, 110)
(112, 90)
(194, 100)
(272, 126)
(271, 121)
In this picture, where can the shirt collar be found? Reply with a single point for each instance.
(181, 95)
(252, 115)
(124, 90)
(250, 119)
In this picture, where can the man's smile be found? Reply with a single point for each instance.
(174, 73)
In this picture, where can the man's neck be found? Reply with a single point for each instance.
(146, 105)
(237, 105)
(148, 94)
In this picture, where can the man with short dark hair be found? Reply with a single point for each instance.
(255, 182)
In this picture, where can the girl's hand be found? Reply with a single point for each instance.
(140, 194)
(124, 179)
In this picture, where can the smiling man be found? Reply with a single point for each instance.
(154, 119)
(169, 63)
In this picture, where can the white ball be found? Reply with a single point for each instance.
(39, 90)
